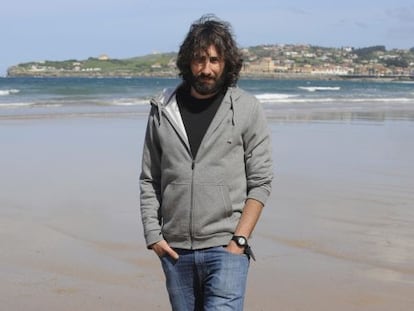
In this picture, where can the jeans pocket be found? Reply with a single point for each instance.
(224, 248)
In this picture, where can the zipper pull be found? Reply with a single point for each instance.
(192, 165)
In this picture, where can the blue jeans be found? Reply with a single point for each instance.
(206, 280)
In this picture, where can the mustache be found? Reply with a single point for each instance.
(205, 76)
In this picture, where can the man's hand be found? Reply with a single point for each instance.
(232, 247)
(162, 248)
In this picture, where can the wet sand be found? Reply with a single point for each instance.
(337, 233)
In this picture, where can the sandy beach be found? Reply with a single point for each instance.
(337, 233)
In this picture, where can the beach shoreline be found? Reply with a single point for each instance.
(335, 234)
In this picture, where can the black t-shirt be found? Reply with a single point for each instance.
(197, 115)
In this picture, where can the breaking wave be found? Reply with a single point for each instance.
(9, 92)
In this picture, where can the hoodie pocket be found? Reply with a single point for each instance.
(212, 209)
(175, 210)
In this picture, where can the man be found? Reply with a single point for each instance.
(206, 173)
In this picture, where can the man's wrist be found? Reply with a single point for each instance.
(240, 240)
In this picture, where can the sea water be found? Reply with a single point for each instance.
(20, 97)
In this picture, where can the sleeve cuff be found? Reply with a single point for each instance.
(259, 194)
(153, 237)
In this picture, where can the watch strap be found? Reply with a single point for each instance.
(247, 249)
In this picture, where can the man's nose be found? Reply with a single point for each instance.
(206, 67)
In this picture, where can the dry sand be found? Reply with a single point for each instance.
(337, 234)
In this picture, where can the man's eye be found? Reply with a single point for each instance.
(200, 60)
(214, 59)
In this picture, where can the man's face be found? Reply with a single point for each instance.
(207, 69)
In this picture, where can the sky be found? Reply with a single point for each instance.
(78, 29)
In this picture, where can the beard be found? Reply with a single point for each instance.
(207, 84)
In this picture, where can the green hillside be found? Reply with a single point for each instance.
(148, 65)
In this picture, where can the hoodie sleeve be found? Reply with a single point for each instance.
(150, 182)
(258, 155)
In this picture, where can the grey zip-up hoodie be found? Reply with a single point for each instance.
(197, 203)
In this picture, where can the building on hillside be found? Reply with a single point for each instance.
(264, 64)
(103, 57)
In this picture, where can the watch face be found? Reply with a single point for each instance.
(241, 241)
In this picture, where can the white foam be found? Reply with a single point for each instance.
(8, 92)
(15, 105)
(382, 100)
(130, 102)
(319, 88)
(343, 100)
(273, 97)
(48, 105)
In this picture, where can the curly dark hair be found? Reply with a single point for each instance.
(207, 31)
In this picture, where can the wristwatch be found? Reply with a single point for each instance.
(240, 240)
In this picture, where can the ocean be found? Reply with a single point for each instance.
(282, 99)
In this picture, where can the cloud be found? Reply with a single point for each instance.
(361, 25)
(297, 11)
(402, 14)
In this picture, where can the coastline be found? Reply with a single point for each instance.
(270, 60)
(245, 75)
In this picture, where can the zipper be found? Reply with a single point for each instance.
(191, 229)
